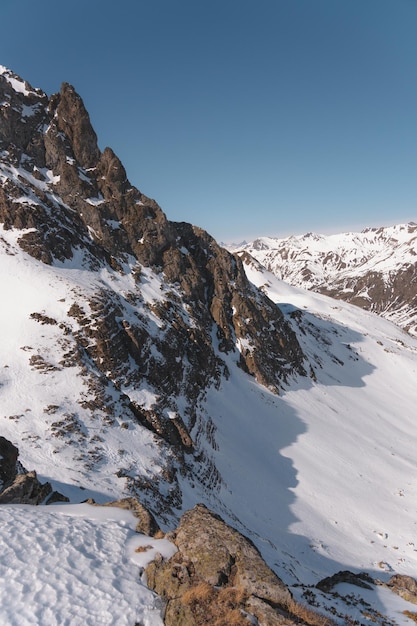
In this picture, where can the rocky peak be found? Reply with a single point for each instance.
(85, 200)
(68, 200)
(22, 110)
(72, 119)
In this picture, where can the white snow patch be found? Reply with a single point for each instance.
(114, 224)
(18, 85)
(75, 564)
(95, 201)
(144, 398)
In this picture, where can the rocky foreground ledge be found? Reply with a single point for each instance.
(217, 576)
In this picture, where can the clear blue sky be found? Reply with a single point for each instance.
(245, 117)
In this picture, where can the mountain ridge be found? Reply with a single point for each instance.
(140, 358)
(375, 269)
(151, 313)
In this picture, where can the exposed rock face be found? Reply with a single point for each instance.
(404, 586)
(8, 462)
(212, 555)
(18, 486)
(360, 580)
(69, 200)
(25, 489)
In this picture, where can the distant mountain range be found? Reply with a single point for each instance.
(140, 360)
(375, 269)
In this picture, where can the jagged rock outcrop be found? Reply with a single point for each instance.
(26, 489)
(17, 485)
(215, 570)
(345, 576)
(68, 200)
(81, 198)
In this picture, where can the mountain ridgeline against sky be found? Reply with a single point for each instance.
(142, 361)
(73, 207)
(375, 269)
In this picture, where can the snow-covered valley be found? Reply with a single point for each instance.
(321, 478)
(139, 359)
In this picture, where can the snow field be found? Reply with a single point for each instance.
(70, 565)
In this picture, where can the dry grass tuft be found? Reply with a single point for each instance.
(309, 616)
(226, 607)
(232, 596)
(143, 548)
(232, 617)
(411, 615)
(199, 594)
(217, 607)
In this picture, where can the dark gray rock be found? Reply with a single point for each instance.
(8, 462)
(360, 580)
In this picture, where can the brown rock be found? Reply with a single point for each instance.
(25, 489)
(404, 586)
(215, 566)
(146, 521)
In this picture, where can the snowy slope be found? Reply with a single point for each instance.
(344, 461)
(321, 478)
(75, 564)
(48, 402)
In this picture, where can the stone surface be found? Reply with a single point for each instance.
(360, 580)
(147, 524)
(25, 489)
(17, 485)
(213, 554)
(8, 462)
(404, 586)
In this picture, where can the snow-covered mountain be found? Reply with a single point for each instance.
(139, 358)
(375, 269)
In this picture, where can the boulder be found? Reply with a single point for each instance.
(17, 485)
(217, 573)
(25, 489)
(404, 586)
